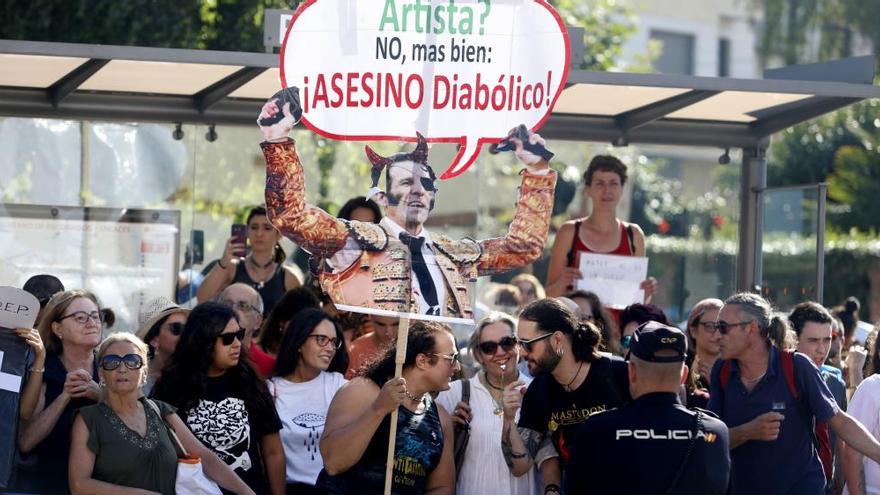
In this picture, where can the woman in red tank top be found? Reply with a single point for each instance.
(600, 232)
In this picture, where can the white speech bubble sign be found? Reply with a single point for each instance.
(457, 71)
(18, 309)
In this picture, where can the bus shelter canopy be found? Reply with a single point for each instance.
(99, 82)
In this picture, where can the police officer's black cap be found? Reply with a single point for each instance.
(652, 337)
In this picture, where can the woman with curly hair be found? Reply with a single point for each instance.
(222, 400)
(311, 361)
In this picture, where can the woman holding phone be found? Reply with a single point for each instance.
(263, 268)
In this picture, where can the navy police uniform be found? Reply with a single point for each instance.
(654, 445)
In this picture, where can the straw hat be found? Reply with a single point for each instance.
(154, 311)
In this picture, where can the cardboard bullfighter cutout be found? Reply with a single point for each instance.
(397, 267)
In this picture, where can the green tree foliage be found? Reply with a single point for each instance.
(841, 148)
(799, 31)
(235, 25)
(607, 25)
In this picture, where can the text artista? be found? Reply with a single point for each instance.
(424, 17)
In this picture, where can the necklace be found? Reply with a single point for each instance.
(486, 377)
(499, 409)
(413, 397)
(261, 267)
(567, 386)
(259, 285)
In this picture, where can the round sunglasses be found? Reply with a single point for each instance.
(113, 361)
(490, 347)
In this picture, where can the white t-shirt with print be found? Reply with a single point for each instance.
(302, 408)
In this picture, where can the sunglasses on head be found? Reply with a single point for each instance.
(113, 361)
(527, 344)
(228, 338)
(490, 347)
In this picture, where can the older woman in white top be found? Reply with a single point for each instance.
(484, 471)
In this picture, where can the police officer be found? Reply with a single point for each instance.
(654, 445)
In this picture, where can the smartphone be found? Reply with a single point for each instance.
(198, 247)
(239, 232)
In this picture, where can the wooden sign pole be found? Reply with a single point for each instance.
(399, 358)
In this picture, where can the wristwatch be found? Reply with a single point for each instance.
(551, 488)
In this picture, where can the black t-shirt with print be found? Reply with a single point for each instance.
(548, 408)
(233, 432)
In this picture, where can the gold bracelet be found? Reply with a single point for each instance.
(32, 370)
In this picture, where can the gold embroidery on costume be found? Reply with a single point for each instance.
(381, 277)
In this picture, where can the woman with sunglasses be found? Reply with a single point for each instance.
(161, 323)
(120, 445)
(311, 360)
(71, 328)
(355, 441)
(222, 400)
(484, 471)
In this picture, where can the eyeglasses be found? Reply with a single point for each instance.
(113, 361)
(709, 326)
(175, 328)
(239, 305)
(724, 327)
(323, 340)
(490, 347)
(83, 318)
(527, 344)
(626, 341)
(227, 338)
(453, 358)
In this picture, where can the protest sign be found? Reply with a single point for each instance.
(615, 279)
(459, 71)
(18, 309)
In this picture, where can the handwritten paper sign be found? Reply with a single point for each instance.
(615, 279)
(459, 71)
(18, 309)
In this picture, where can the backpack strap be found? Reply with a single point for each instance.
(786, 361)
(571, 251)
(466, 391)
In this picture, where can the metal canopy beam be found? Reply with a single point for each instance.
(70, 82)
(638, 117)
(209, 96)
(797, 112)
(663, 131)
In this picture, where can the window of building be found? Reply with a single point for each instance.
(677, 53)
(723, 57)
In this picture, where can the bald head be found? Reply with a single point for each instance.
(248, 307)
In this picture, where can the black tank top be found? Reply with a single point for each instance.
(418, 447)
(271, 290)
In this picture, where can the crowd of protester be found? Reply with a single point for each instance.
(278, 392)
